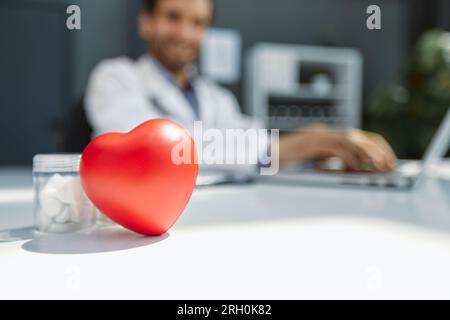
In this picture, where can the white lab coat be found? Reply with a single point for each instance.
(122, 93)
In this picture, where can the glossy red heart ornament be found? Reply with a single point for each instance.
(132, 178)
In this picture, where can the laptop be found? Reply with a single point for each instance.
(212, 177)
(407, 173)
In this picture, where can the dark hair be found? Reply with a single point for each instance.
(149, 5)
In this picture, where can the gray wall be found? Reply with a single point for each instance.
(103, 35)
(44, 68)
(35, 78)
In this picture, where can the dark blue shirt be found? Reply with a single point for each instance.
(188, 92)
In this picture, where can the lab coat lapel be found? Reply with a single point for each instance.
(163, 94)
(206, 102)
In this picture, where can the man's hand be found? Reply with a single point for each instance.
(358, 150)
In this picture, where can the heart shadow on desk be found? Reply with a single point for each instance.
(96, 240)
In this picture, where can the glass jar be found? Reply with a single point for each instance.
(60, 204)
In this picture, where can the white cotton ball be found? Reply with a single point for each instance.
(55, 182)
(64, 215)
(64, 204)
(50, 205)
(71, 191)
(67, 191)
(75, 215)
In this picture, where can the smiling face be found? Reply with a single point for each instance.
(175, 30)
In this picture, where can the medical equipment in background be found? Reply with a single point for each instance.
(291, 86)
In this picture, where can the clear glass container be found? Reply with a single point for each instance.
(103, 220)
(60, 204)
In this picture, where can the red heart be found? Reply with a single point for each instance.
(131, 177)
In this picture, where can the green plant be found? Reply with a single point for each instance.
(408, 113)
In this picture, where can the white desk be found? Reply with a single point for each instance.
(257, 241)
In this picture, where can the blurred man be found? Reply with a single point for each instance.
(123, 93)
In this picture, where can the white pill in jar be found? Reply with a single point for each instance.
(60, 202)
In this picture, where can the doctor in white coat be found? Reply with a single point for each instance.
(122, 93)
